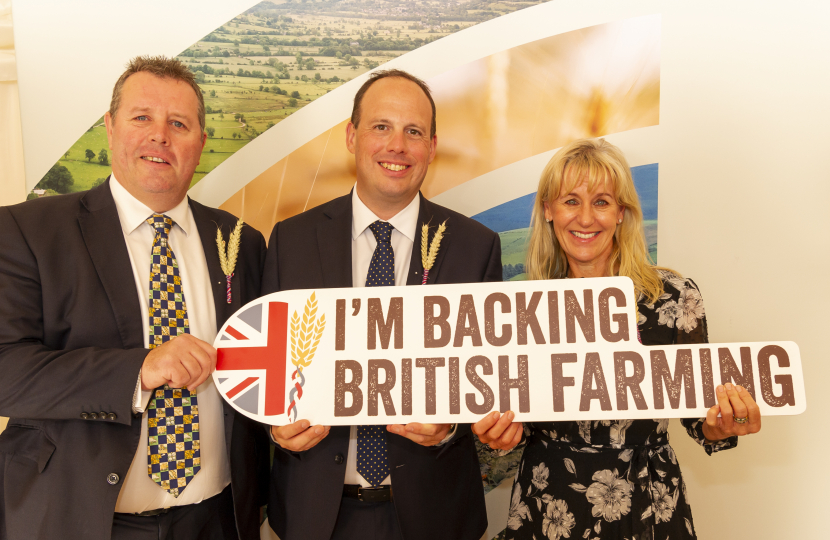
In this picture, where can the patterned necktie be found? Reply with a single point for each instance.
(173, 456)
(372, 456)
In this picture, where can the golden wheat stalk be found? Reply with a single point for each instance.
(295, 327)
(306, 333)
(233, 246)
(227, 258)
(220, 243)
(424, 239)
(434, 245)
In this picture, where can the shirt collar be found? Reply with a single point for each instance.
(133, 213)
(405, 221)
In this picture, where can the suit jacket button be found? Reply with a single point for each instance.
(338, 458)
(112, 478)
(93, 416)
(84, 416)
(102, 415)
(111, 416)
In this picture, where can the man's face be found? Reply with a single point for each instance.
(156, 139)
(392, 145)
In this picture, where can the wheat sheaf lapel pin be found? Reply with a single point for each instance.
(227, 259)
(429, 250)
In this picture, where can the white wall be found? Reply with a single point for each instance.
(744, 195)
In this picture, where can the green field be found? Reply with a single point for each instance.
(514, 245)
(298, 47)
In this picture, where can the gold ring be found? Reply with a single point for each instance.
(741, 420)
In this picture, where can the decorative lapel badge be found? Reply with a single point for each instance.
(428, 254)
(227, 260)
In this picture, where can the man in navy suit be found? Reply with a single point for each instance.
(81, 357)
(428, 483)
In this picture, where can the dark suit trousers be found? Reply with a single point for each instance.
(211, 519)
(358, 520)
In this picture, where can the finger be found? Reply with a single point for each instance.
(316, 440)
(484, 425)
(423, 434)
(284, 433)
(426, 430)
(753, 411)
(399, 429)
(178, 376)
(207, 362)
(193, 368)
(712, 422)
(738, 406)
(497, 431)
(306, 439)
(509, 434)
(517, 438)
(725, 408)
(205, 346)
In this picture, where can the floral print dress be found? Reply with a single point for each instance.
(614, 479)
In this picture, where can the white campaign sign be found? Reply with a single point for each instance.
(548, 350)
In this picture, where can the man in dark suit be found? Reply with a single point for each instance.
(426, 481)
(109, 300)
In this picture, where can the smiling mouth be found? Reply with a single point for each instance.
(393, 166)
(584, 236)
(153, 159)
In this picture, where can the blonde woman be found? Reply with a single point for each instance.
(609, 479)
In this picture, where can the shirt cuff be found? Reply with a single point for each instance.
(450, 435)
(140, 397)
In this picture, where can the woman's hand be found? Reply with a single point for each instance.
(499, 431)
(734, 404)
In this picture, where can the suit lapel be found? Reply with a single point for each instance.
(334, 241)
(207, 224)
(104, 239)
(432, 215)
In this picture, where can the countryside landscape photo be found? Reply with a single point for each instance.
(274, 59)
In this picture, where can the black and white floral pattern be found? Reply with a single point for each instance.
(613, 479)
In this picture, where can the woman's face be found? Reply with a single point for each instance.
(584, 223)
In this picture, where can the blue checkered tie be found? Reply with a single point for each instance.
(173, 455)
(372, 455)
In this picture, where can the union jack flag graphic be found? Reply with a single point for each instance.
(252, 354)
(251, 359)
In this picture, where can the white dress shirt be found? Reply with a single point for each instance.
(405, 225)
(363, 247)
(138, 492)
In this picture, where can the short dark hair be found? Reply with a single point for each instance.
(383, 74)
(163, 67)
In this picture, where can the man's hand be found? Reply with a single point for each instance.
(182, 361)
(298, 437)
(499, 431)
(423, 434)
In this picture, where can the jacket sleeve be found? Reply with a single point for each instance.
(40, 382)
(494, 268)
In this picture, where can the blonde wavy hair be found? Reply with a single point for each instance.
(597, 161)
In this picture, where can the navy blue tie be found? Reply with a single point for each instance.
(372, 456)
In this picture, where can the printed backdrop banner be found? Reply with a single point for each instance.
(548, 350)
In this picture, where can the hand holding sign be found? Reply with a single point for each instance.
(735, 414)
(299, 436)
(497, 431)
(184, 361)
(423, 434)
